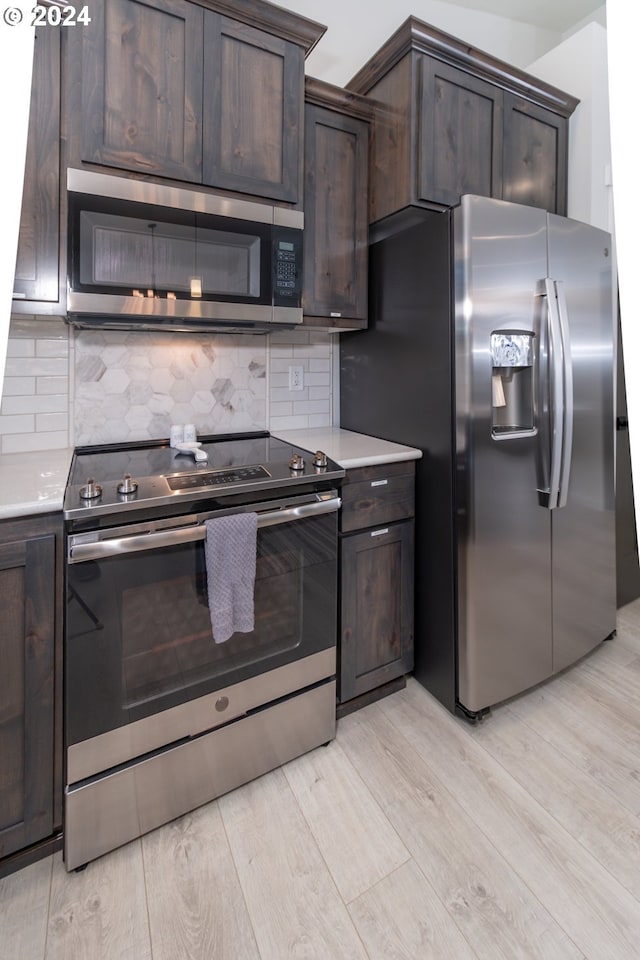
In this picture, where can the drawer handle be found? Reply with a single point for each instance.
(379, 533)
(379, 483)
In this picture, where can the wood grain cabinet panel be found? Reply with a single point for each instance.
(535, 156)
(38, 263)
(377, 608)
(379, 494)
(252, 138)
(27, 576)
(450, 119)
(189, 91)
(142, 68)
(460, 134)
(376, 580)
(336, 156)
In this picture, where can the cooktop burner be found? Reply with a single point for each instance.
(113, 478)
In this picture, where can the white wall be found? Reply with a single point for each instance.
(624, 23)
(357, 28)
(578, 65)
(598, 16)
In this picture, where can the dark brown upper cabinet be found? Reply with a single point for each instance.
(450, 120)
(535, 148)
(142, 67)
(36, 284)
(251, 128)
(335, 206)
(207, 92)
(460, 134)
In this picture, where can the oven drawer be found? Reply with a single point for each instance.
(377, 494)
(104, 813)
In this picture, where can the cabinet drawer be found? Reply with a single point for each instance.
(375, 495)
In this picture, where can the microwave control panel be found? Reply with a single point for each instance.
(287, 267)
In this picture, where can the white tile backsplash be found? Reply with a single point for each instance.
(313, 350)
(34, 414)
(138, 385)
(19, 386)
(37, 404)
(65, 387)
(21, 348)
(36, 366)
(28, 443)
(18, 423)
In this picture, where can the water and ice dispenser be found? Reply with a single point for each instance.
(512, 383)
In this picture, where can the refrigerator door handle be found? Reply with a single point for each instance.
(559, 379)
(567, 390)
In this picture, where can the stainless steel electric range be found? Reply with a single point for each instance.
(160, 717)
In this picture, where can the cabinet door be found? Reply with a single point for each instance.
(27, 577)
(253, 85)
(335, 206)
(535, 156)
(142, 87)
(460, 135)
(376, 608)
(37, 264)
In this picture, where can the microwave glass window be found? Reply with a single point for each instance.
(145, 255)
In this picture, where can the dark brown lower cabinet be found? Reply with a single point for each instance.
(377, 582)
(30, 754)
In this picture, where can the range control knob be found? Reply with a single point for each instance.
(320, 459)
(296, 463)
(91, 490)
(127, 485)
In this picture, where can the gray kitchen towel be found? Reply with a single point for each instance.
(230, 555)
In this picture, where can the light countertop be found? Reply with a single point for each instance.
(347, 448)
(33, 482)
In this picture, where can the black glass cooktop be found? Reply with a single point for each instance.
(234, 464)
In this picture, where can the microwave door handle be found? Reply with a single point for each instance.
(79, 552)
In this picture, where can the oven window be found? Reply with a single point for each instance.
(174, 612)
(139, 634)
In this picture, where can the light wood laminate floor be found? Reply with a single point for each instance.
(412, 836)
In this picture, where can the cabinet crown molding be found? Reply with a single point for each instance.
(417, 36)
(266, 16)
(323, 94)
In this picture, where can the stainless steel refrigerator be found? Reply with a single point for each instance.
(491, 348)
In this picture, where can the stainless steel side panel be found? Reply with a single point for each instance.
(111, 811)
(583, 531)
(504, 587)
(189, 719)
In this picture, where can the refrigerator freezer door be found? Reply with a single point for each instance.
(504, 586)
(583, 530)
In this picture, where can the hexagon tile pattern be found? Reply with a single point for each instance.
(134, 386)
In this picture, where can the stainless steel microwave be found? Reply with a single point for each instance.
(145, 256)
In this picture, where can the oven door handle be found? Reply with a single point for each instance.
(79, 552)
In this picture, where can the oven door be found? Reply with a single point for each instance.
(138, 629)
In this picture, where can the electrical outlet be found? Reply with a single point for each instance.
(296, 378)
